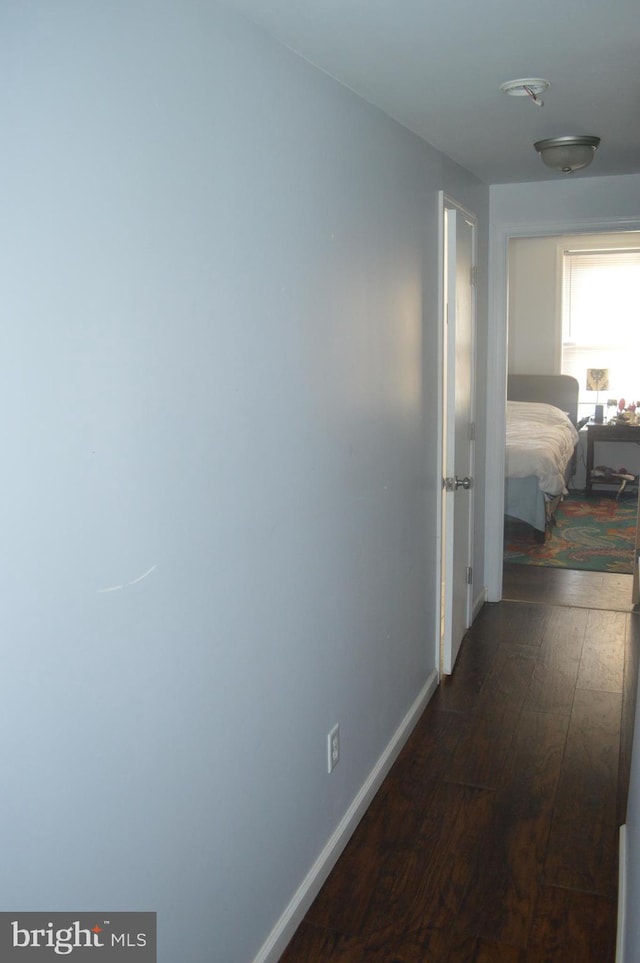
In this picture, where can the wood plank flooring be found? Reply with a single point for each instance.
(494, 838)
(598, 590)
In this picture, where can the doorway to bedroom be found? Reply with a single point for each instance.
(560, 289)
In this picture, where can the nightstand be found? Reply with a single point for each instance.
(606, 432)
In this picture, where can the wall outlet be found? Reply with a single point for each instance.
(333, 748)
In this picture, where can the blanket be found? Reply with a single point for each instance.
(540, 441)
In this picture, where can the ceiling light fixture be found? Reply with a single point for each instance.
(568, 154)
(530, 87)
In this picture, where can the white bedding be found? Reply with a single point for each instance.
(540, 442)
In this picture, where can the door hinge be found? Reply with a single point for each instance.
(473, 275)
(469, 575)
(472, 431)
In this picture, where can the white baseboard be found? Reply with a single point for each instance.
(622, 895)
(274, 946)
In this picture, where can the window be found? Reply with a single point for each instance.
(601, 322)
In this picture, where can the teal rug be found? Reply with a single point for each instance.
(595, 534)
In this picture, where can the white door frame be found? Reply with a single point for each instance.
(501, 234)
(446, 201)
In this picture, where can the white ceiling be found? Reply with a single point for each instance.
(436, 66)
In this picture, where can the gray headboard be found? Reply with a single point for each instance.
(559, 390)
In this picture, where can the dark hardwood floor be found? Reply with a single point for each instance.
(560, 586)
(494, 838)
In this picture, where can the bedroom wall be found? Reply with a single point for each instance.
(218, 349)
(533, 340)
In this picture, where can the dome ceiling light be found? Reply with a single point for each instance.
(530, 87)
(568, 154)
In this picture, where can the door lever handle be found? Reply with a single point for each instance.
(452, 484)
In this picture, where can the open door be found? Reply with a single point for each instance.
(458, 430)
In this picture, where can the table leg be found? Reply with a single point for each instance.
(589, 462)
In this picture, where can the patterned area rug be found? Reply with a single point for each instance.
(595, 534)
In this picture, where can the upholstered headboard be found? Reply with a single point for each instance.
(559, 390)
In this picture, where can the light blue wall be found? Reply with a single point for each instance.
(521, 207)
(219, 312)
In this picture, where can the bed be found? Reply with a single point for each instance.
(542, 436)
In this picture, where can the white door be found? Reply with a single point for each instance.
(458, 431)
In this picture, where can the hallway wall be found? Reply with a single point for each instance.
(217, 373)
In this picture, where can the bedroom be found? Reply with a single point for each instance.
(537, 304)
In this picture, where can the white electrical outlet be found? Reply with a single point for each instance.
(333, 748)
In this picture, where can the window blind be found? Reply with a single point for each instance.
(601, 320)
